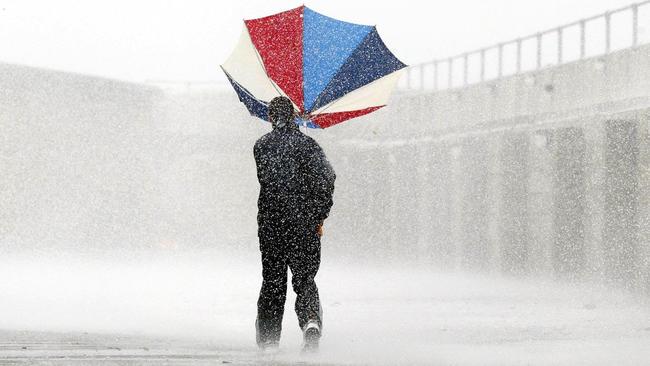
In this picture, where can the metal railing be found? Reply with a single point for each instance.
(622, 28)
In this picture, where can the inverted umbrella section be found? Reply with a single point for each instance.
(330, 69)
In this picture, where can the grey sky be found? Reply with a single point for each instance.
(188, 39)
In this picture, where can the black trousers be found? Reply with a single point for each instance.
(287, 245)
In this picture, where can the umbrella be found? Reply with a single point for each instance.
(330, 69)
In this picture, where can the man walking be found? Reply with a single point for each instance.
(296, 187)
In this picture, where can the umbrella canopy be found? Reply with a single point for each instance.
(331, 70)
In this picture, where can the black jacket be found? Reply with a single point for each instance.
(296, 180)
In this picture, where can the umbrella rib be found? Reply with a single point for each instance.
(330, 105)
(242, 87)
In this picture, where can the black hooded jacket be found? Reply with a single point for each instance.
(296, 180)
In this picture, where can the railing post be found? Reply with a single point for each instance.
(583, 39)
(465, 69)
(539, 51)
(635, 25)
(435, 75)
(608, 32)
(421, 76)
(519, 41)
(560, 45)
(408, 77)
(483, 65)
(450, 77)
(500, 59)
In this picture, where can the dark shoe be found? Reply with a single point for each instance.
(269, 347)
(310, 336)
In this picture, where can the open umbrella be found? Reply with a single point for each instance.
(331, 70)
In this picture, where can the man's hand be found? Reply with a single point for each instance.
(319, 230)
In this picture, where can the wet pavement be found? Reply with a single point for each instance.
(194, 314)
(49, 348)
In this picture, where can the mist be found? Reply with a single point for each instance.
(496, 217)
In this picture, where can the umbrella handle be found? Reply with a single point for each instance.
(303, 118)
